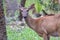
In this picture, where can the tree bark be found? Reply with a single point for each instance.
(3, 35)
(11, 6)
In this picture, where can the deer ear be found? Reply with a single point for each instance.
(31, 7)
(21, 8)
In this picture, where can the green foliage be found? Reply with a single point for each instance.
(38, 6)
(29, 2)
(4, 7)
(48, 4)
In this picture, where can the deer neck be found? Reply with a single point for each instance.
(30, 22)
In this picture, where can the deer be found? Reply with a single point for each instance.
(45, 26)
(36, 14)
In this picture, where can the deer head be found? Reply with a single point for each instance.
(25, 10)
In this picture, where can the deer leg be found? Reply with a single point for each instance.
(46, 37)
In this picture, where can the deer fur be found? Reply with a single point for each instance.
(44, 26)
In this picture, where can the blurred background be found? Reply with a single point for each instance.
(14, 29)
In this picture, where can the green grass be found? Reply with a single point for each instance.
(25, 34)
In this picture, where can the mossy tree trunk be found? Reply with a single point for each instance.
(11, 7)
(3, 35)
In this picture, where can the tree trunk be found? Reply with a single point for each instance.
(12, 6)
(3, 35)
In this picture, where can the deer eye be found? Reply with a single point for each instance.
(21, 11)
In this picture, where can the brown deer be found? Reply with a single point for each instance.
(45, 26)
